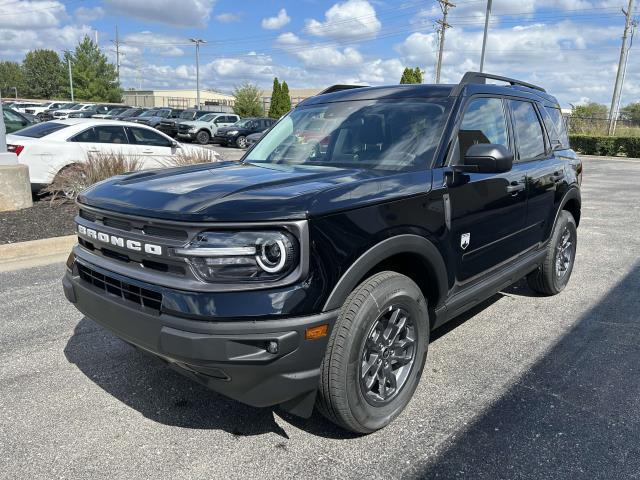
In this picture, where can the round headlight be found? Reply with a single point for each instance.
(273, 255)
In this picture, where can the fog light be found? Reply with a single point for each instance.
(272, 346)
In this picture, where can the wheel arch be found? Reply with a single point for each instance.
(408, 254)
(571, 202)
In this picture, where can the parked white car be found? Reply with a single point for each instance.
(46, 148)
(38, 109)
(62, 114)
(22, 106)
(204, 128)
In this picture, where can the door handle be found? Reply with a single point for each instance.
(515, 187)
(147, 151)
(93, 150)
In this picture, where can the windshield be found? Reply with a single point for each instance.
(208, 117)
(398, 134)
(40, 130)
(155, 113)
(244, 123)
(187, 115)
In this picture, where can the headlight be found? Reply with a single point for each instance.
(232, 132)
(193, 129)
(251, 256)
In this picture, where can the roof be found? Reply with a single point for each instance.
(429, 91)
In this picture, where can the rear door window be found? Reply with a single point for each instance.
(528, 131)
(144, 136)
(110, 134)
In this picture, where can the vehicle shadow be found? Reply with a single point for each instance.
(573, 414)
(148, 385)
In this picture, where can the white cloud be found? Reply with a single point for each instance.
(289, 38)
(32, 15)
(347, 20)
(279, 21)
(185, 13)
(229, 17)
(88, 14)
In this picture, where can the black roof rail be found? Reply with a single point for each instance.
(339, 88)
(480, 77)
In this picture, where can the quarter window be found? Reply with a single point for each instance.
(555, 124)
(528, 131)
(484, 121)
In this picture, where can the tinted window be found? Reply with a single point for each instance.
(528, 131)
(381, 135)
(84, 137)
(11, 116)
(554, 121)
(40, 130)
(110, 134)
(484, 121)
(144, 136)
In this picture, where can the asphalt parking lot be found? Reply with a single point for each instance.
(521, 387)
(228, 153)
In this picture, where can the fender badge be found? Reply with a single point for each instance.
(465, 239)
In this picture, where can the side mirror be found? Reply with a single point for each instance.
(488, 158)
(175, 144)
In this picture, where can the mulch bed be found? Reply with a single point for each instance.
(43, 220)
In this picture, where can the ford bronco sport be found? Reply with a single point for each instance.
(312, 271)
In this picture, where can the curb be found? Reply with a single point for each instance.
(34, 250)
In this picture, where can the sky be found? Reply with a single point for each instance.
(570, 47)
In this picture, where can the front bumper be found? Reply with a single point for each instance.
(188, 135)
(230, 357)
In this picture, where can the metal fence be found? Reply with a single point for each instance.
(600, 125)
(157, 101)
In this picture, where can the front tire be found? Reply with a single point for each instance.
(241, 141)
(375, 355)
(554, 273)
(203, 137)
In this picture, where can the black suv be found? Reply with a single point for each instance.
(237, 133)
(155, 116)
(169, 126)
(313, 271)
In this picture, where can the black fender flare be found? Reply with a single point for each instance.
(406, 243)
(573, 193)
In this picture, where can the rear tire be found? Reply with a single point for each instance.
(375, 357)
(554, 273)
(203, 137)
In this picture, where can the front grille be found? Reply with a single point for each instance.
(183, 128)
(142, 297)
(130, 226)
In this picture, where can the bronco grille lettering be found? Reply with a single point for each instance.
(121, 242)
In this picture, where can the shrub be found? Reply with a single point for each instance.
(192, 156)
(608, 146)
(74, 178)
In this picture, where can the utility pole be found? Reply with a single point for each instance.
(70, 77)
(198, 41)
(444, 6)
(623, 55)
(487, 16)
(117, 44)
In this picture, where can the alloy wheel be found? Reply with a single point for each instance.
(388, 356)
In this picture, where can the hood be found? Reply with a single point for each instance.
(238, 192)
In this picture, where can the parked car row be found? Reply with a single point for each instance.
(201, 126)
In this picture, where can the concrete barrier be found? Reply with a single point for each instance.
(15, 187)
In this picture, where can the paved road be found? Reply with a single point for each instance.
(523, 387)
(228, 153)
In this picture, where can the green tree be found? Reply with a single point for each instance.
(631, 112)
(411, 75)
(248, 101)
(590, 110)
(276, 99)
(43, 73)
(11, 76)
(286, 98)
(94, 78)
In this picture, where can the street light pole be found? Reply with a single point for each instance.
(70, 77)
(486, 31)
(197, 41)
